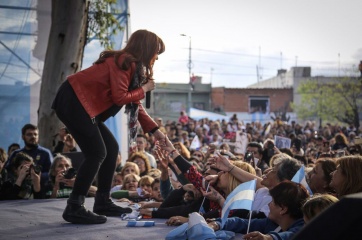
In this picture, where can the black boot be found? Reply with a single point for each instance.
(105, 206)
(75, 212)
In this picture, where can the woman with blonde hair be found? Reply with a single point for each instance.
(347, 177)
(316, 204)
(232, 181)
(130, 167)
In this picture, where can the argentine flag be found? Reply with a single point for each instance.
(241, 197)
(299, 177)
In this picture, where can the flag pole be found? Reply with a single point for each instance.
(250, 213)
(207, 189)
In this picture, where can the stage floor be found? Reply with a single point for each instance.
(42, 219)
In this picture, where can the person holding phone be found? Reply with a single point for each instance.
(257, 153)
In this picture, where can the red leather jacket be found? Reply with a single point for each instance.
(102, 85)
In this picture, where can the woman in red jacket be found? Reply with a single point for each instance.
(87, 98)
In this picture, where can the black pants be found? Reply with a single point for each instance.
(97, 143)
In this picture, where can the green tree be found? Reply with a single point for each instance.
(73, 23)
(339, 99)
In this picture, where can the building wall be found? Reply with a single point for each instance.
(168, 99)
(237, 99)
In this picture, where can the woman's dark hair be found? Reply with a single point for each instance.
(13, 145)
(328, 166)
(286, 151)
(341, 138)
(20, 158)
(302, 159)
(290, 195)
(141, 47)
(297, 142)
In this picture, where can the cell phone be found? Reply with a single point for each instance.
(270, 150)
(249, 156)
(340, 153)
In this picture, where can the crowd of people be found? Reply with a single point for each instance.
(173, 179)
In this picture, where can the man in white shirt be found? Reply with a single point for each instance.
(141, 144)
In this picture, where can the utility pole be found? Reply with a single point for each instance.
(211, 71)
(189, 65)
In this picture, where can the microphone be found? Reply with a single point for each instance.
(148, 99)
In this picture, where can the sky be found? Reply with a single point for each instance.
(232, 40)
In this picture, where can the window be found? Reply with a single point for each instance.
(259, 104)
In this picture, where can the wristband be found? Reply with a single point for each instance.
(231, 168)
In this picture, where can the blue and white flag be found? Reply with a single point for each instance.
(241, 197)
(299, 177)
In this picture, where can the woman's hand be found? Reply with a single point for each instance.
(69, 142)
(176, 221)
(212, 179)
(149, 86)
(59, 178)
(69, 182)
(35, 179)
(257, 236)
(159, 135)
(214, 226)
(167, 145)
(23, 172)
(161, 155)
(213, 195)
(222, 163)
(146, 212)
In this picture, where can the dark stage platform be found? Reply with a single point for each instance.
(42, 219)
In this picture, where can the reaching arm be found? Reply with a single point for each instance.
(223, 164)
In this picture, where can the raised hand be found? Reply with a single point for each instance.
(222, 163)
(149, 86)
(161, 155)
(167, 145)
(212, 179)
(213, 195)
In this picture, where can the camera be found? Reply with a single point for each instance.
(37, 168)
(70, 173)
